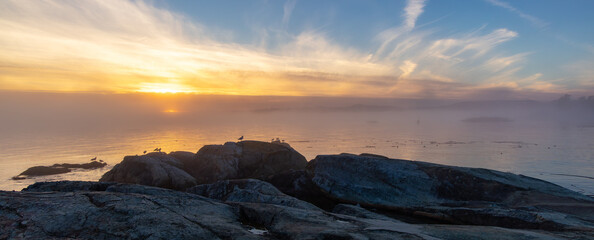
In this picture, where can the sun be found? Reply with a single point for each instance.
(165, 88)
(170, 111)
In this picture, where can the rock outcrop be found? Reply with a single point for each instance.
(450, 194)
(299, 184)
(118, 212)
(248, 191)
(91, 210)
(246, 159)
(153, 169)
(180, 170)
(257, 190)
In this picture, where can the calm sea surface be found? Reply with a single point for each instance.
(559, 153)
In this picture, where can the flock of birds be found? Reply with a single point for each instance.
(159, 149)
(95, 159)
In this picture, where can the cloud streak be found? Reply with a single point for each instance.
(288, 10)
(532, 19)
(126, 46)
(413, 9)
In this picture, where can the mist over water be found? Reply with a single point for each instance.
(546, 140)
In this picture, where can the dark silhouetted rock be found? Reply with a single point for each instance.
(44, 170)
(57, 169)
(179, 170)
(153, 169)
(215, 162)
(249, 191)
(486, 120)
(68, 186)
(450, 194)
(90, 165)
(246, 159)
(262, 159)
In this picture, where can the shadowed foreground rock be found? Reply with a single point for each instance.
(180, 170)
(90, 210)
(248, 190)
(450, 194)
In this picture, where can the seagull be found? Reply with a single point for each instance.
(93, 159)
(156, 149)
(144, 152)
(240, 138)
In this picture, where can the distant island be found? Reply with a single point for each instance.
(486, 120)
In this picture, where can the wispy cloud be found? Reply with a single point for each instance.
(496, 64)
(453, 48)
(288, 10)
(127, 46)
(412, 11)
(532, 19)
(123, 46)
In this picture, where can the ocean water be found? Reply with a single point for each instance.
(549, 150)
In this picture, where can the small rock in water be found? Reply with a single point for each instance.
(258, 231)
(57, 169)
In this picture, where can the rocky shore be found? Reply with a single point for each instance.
(259, 190)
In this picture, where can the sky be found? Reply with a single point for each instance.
(487, 49)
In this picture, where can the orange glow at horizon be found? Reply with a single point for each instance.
(170, 111)
(59, 47)
(165, 88)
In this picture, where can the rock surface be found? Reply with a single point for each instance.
(450, 194)
(246, 159)
(179, 170)
(298, 184)
(119, 212)
(250, 191)
(153, 169)
(91, 210)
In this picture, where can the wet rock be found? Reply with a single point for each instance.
(449, 194)
(153, 169)
(249, 191)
